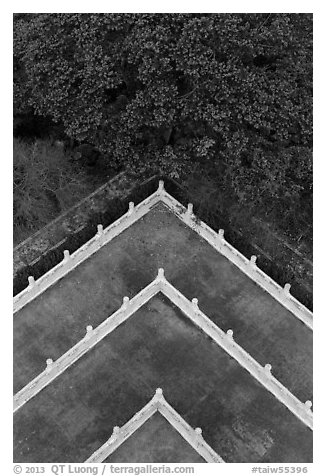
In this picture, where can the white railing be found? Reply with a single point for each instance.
(70, 262)
(226, 341)
(92, 337)
(156, 404)
(216, 240)
(190, 309)
(249, 267)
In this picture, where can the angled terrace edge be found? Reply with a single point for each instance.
(191, 310)
(249, 267)
(70, 262)
(216, 240)
(156, 404)
(92, 337)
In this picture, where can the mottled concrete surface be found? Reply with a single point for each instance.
(155, 442)
(56, 320)
(158, 347)
(50, 235)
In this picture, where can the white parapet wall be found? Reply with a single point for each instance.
(156, 404)
(191, 310)
(226, 341)
(70, 262)
(92, 337)
(249, 267)
(216, 240)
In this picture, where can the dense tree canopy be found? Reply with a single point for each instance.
(230, 92)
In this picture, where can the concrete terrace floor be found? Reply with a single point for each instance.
(52, 323)
(155, 442)
(158, 347)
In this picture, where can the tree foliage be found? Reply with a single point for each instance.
(45, 184)
(230, 92)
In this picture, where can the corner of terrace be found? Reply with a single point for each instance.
(217, 241)
(238, 306)
(157, 404)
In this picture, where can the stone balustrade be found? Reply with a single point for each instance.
(69, 262)
(190, 309)
(99, 231)
(92, 337)
(226, 341)
(156, 404)
(249, 267)
(217, 240)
